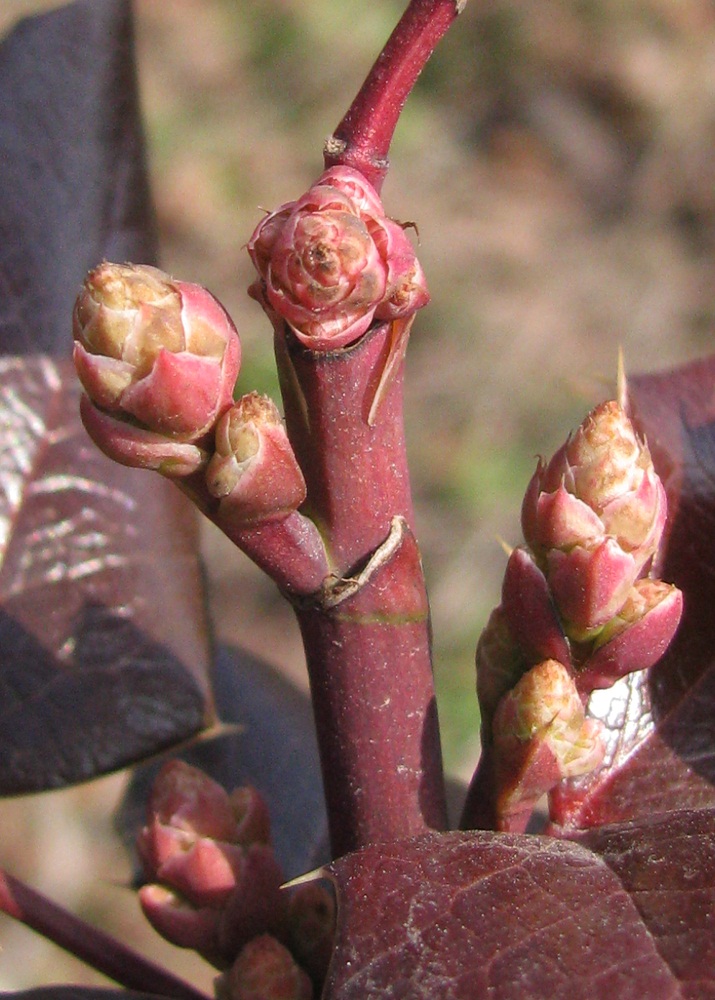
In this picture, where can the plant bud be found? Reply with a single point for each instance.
(636, 637)
(160, 354)
(332, 262)
(540, 737)
(211, 886)
(265, 970)
(253, 471)
(594, 516)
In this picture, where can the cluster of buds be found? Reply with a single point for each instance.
(213, 884)
(158, 360)
(578, 610)
(332, 262)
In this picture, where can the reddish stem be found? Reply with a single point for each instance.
(366, 634)
(362, 139)
(98, 950)
(289, 550)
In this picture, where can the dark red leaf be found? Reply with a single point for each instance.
(627, 912)
(103, 649)
(74, 187)
(661, 725)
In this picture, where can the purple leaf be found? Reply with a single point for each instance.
(626, 912)
(74, 188)
(661, 723)
(103, 649)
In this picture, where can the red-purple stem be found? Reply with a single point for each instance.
(366, 634)
(289, 550)
(362, 139)
(97, 949)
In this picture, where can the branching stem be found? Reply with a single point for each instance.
(92, 946)
(362, 139)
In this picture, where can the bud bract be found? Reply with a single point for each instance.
(332, 262)
(161, 354)
(635, 638)
(594, 516)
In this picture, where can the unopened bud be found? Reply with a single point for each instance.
(311, 928)
(594, 516)
(254, 472)
(154, 354)
(211, 885)
(636, 638)
(332, 262)
(541, 736)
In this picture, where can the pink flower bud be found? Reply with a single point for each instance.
(211, 885)
(332, 262)
(160, 354)
(540, 737)
(594, 516)
(265, 970)
(636, 637)
(253, 471)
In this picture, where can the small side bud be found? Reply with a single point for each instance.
(500, 663)
(253, 471)
(540, 737)
(213, 881)
(311, 929)
(332, 262)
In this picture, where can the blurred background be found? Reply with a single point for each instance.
(558, 157)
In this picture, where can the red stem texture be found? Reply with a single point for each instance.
(366, 632)
(362, 139)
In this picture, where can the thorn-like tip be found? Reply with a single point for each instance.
(508, 549)
(621, 381)
(312, 876)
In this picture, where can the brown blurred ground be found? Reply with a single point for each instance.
(559, 159)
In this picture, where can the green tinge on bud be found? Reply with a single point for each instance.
(636, 638)
(540, 736)
(253, 472)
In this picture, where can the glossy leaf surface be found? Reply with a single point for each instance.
(103, 648)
